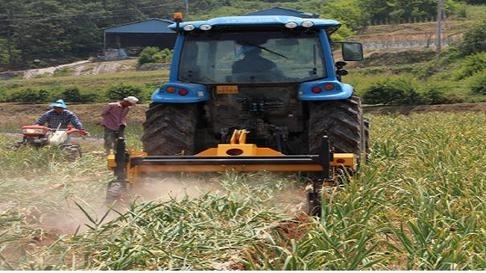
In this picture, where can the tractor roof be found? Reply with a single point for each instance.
(261, 20)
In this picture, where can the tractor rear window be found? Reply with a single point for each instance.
(249, 57)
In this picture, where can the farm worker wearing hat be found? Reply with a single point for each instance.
(114, 121)
(59, 117)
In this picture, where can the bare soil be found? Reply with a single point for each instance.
(23, 114)
(14, 113)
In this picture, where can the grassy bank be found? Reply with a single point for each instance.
(146, 81)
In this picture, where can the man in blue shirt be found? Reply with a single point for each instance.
(59, 117)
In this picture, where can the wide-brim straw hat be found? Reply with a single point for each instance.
(59, 103)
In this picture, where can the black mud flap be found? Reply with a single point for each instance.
(118, 187)
(314, 196)
(314, 192)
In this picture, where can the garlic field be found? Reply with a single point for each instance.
(417, 205)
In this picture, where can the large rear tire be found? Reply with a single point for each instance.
(342, 121)
(169, 129)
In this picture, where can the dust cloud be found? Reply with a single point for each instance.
(87, 207)
(71, 219)
(174, 188)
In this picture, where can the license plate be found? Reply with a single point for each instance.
(227, 89)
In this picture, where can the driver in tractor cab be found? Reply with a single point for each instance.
(59, 117)
(253, 63)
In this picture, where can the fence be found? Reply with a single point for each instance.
(414, 40)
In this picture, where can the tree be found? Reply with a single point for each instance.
(81, 29)
(474, 40)
(397, 11)
(37, 31)
(9, 9)
(346, 11)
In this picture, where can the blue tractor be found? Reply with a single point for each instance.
(274, 76)
(251, 93)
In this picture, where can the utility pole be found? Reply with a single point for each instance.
(440, 15)
(186, 3)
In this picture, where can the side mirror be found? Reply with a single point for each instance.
(352, 51)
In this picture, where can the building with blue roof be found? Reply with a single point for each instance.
(151, 32)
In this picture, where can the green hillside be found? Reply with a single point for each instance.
(415, 71)
(47, 32)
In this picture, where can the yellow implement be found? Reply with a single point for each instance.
(130, 167)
